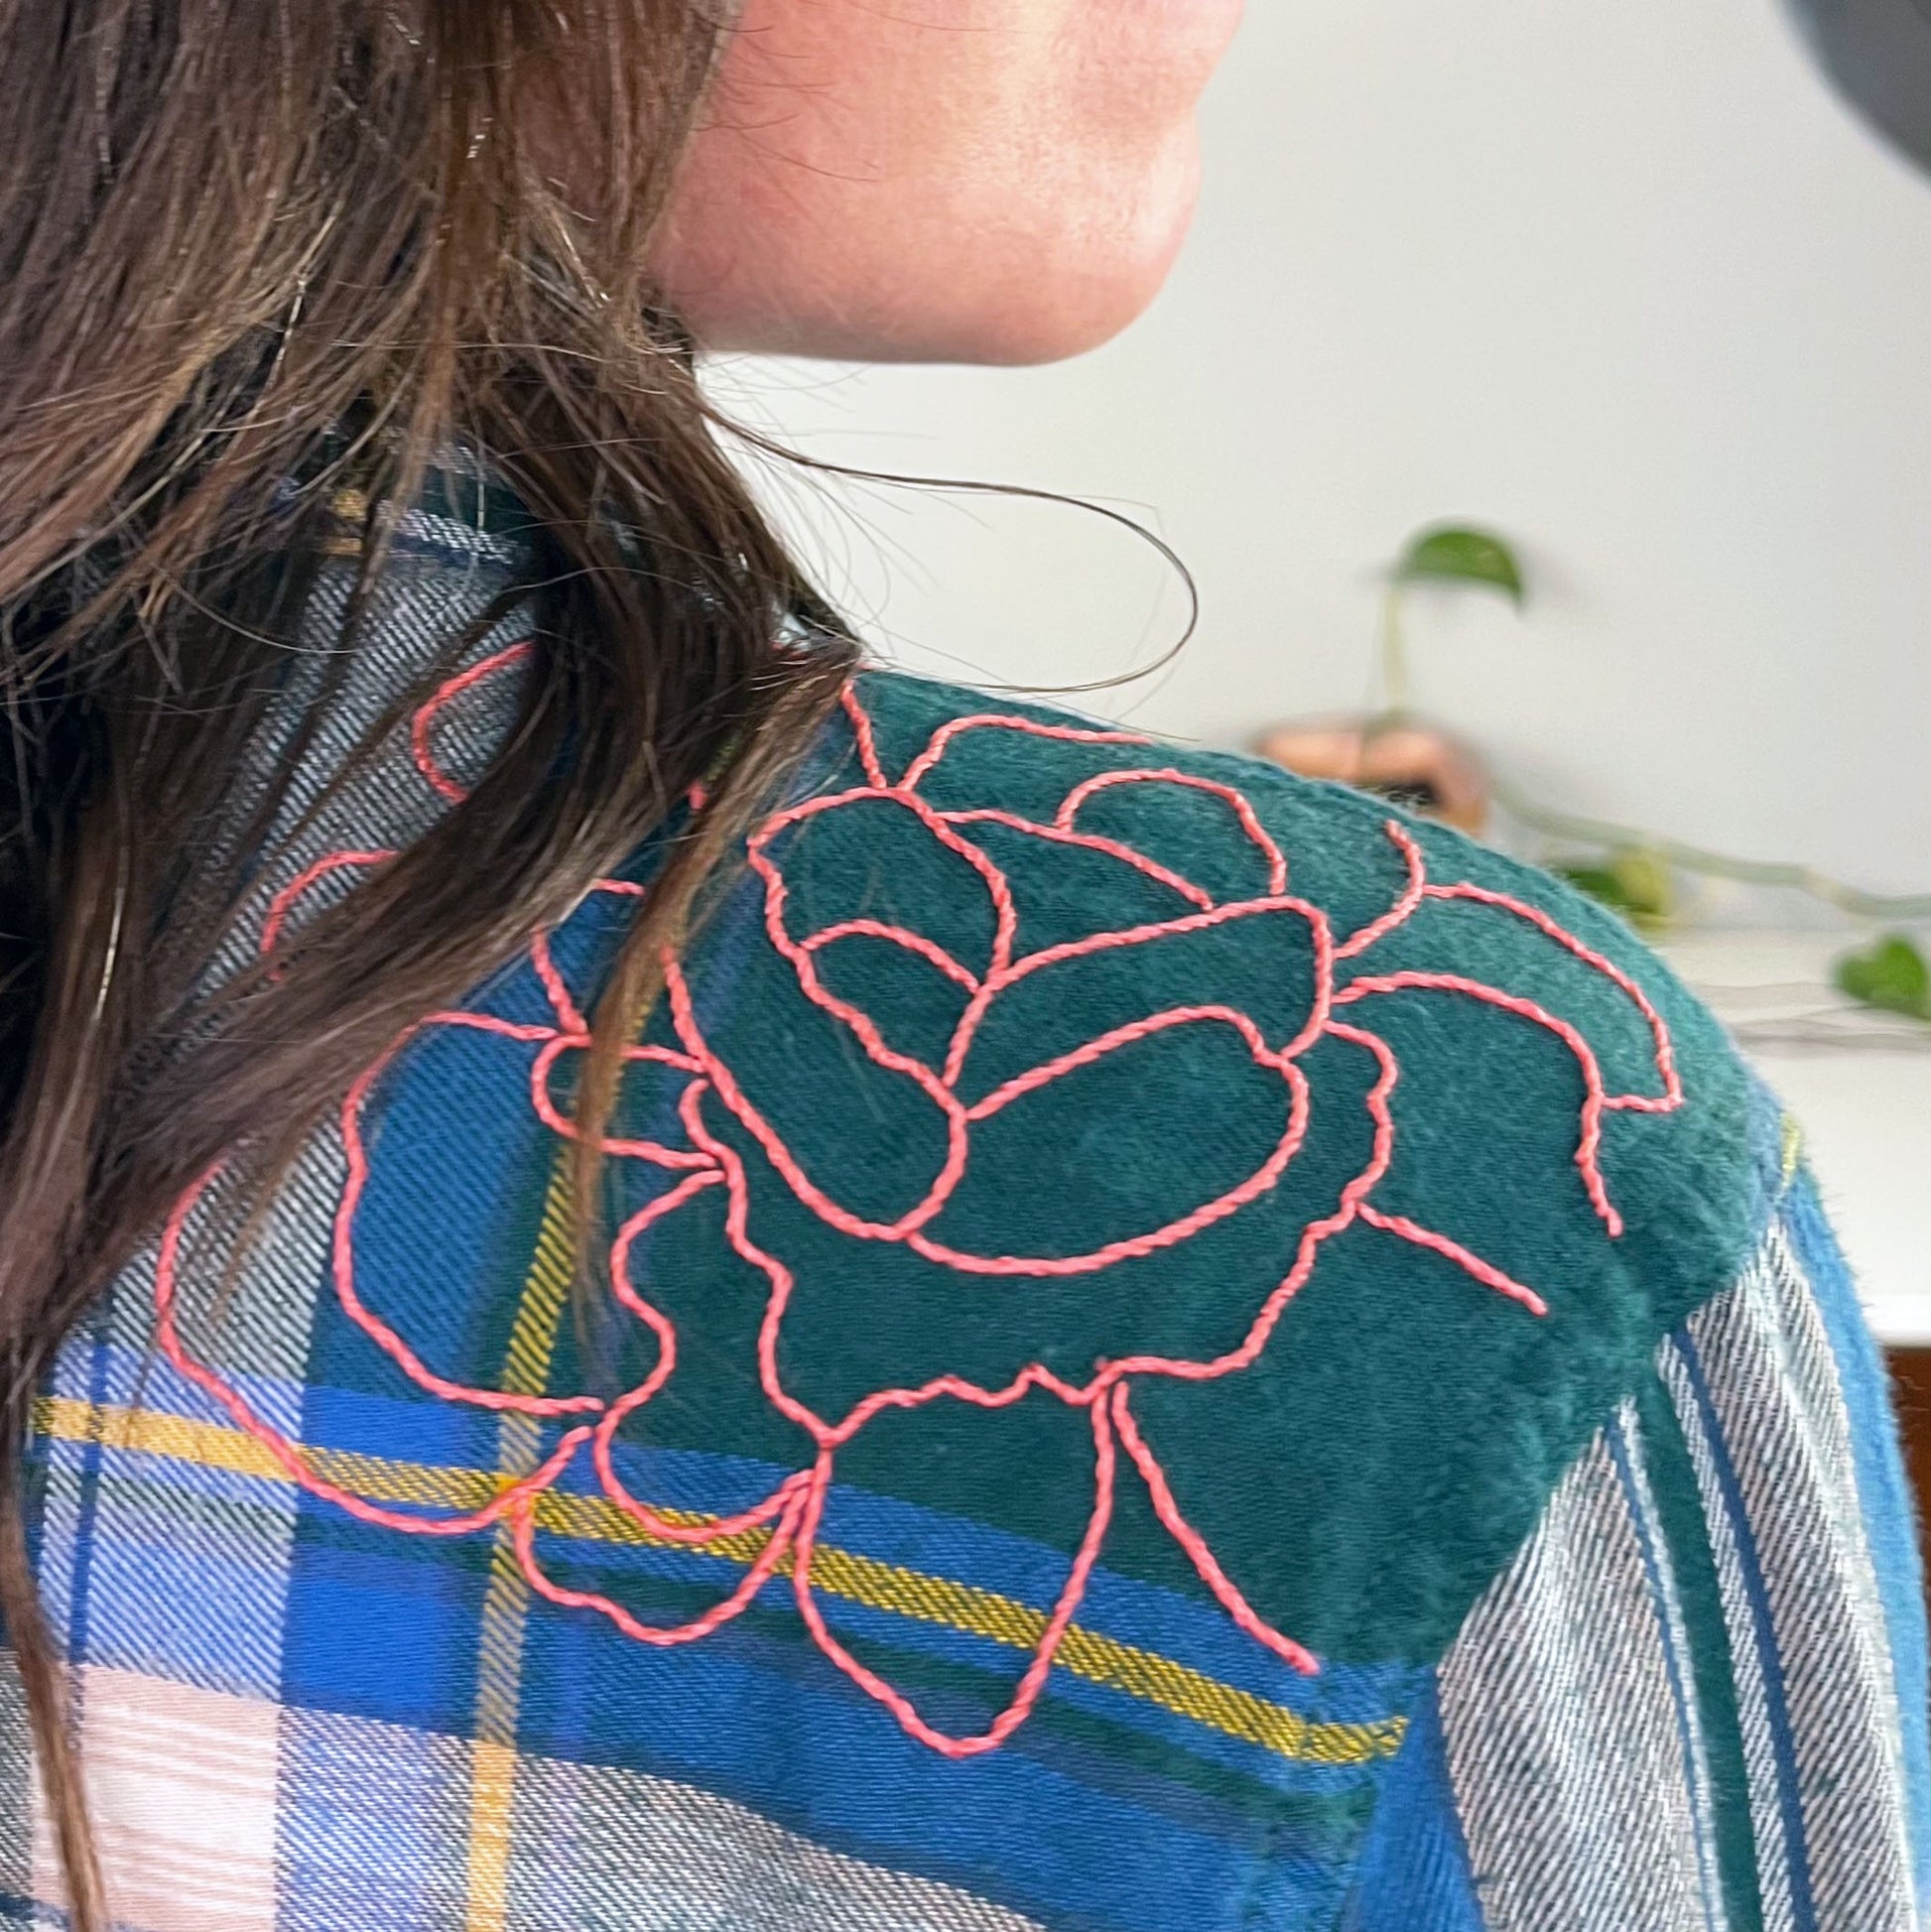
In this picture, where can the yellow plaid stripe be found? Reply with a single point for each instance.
(493, 1805)
(348, 512)
(1793, 1149)
(1142, 1674)
(506, 1602)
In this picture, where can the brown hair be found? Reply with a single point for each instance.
(252, 251)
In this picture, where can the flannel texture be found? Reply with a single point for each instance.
(1179, 1353)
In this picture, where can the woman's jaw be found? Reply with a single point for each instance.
(973, 181)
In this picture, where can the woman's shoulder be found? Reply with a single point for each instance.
(1351, 1172)
(1509, 1006)
(1092, 1229)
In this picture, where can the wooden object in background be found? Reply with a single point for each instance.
(1910, 1371)
(1412, 765)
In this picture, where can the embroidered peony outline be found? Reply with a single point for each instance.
(781, 1530)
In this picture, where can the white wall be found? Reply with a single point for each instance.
(1623, 280)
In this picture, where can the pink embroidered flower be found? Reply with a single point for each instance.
(980, 1018)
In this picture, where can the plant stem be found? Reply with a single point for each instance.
(1901, 907)
(1396, 691)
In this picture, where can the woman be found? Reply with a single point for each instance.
(656, 1281)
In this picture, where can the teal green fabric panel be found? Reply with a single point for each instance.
(1378, 1462)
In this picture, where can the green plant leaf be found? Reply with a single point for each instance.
(1634, 883)
(1892, 976)
(1598, 881)
(1452, 554)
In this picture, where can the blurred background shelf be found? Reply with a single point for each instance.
(1861, 1084)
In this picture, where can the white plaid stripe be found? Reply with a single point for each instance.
(1564, 1740)
(181, 1788)
(624, 1853)
(373, 1836)
(1746, 1659)
(16, 1785)
(1676, 1640)
(1583, 1808)
(1768, 1362)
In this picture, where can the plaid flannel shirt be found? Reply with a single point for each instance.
(362, 1634)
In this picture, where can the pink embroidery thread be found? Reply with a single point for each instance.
(789, 1520)
(421, 732)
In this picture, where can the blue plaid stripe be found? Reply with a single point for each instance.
(1881, 1500)
(754, 1716)
(374, 1825)
(757, 1718)
(135, 1557)
(1415, 1869)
